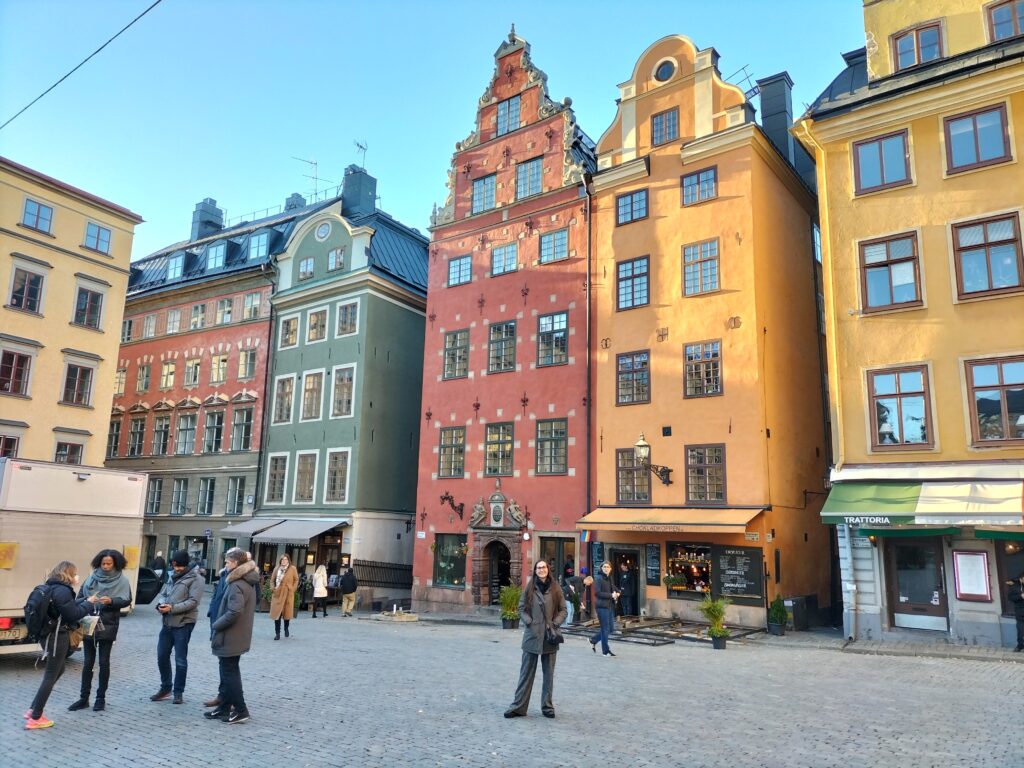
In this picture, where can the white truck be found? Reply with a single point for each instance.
(53, 512)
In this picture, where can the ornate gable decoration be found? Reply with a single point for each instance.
(217, 399)
(189, 402)
(245, 396)
(139, 407)
(164, 405)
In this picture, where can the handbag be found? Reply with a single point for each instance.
(75, 637)
(552, 636)
(89, 625)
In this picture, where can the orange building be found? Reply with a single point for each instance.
(707, 345)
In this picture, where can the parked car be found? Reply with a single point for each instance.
(147, 587)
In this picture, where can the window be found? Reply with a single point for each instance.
(77, 385)
(1007, 19)
(504, 259)
(68, 453)
(316, 326)
(306, 268)
(460, 270)
(452, 452)
(553, 339)
(918, 46)
(167, 375)
(173, 320)
(552, 446)
(312, 395)
(251, 306)
(632, 481)
(344, 391)
(483, 193)
(113, 438)
(705, 474)
(37, 216)
(154, 493)
(241, 429)
(213, 435)
(816, 241)
(14, 370)
(119, 378)
(508, 115)
(305, 478)
(137, 436)
(977, 139)
(247, 364)
(283, 399)
(161, 435)
(289, 332)
(142, 377)
(700, 268)
(335, 259)
(224, 309)
(192, 368)
(27, 291)
(997, 399)
(633, 383)
(127, 326)
(450, 560)
(456, 354)
(631, 206)
(691, 565)
(236, 496)
(198, 319)
(277, 472)
(900, 412)
(8, 447)
(988, 256)
(258, 245)
(528, 175)
(336, 490)
(215, 256)
(665, 127)
(703, 369)
(218, 369)
(175, 266)
(498, 448)
(501, 353)
(881, 163)
(554, 246)
(149, 326)
(889, 273)
(207, 486)
(179, 496)
(348, 319)
(632, 280)
(700, 186)
(186, 436)
(664, 71)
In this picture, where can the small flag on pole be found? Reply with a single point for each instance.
(585, 536)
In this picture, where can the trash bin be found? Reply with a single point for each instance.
(796, 613)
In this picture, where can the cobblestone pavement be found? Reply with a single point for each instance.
(347, 692)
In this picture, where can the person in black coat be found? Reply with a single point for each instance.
(1017, 598)
(65, 611)
(605, 596)
(348, 592)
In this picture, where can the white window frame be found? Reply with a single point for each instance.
(334, 378)
(36, 269)
(199, 372)
(99, 227)
(251, 305)
(120, 377)
(213, 368)
(302, 394)
(266, 479)
(30, 352)
(273, 405)
(258, 242)
(297, 317)
(149, 326)
(208, 483)
(193, 317)
(316, 473)
(225, 311)
(337, 313)
(148, 367)
(177, 325)
(243, 375)
(178, 262)
(235, 483)
(219, 250)
(348, 473)
(163, 372)
(327, 324)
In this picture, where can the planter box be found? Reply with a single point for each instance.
(776, 629)
(510, 623)
(718, 643)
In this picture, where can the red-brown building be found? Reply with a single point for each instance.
(503, 455)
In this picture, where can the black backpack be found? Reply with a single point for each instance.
(37, 613)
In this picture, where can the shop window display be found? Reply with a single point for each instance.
(1010, 556)
(689, 570)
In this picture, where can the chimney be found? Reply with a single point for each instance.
(295, 200)
(777, 112)
(207, 219)
(358, 192)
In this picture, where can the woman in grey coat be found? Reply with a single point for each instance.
(542, 605)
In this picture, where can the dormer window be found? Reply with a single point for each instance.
(1007, 19)
(306, 269)
(258, 246)
(918, 46)
(175, 266)
(215, 256)
(508, 115)
(335, 259)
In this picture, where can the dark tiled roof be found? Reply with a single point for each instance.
(396, 251)
(584, 151)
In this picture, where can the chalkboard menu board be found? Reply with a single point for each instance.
(653, 561)
(596, 557)
(738, 574)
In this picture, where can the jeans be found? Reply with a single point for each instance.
(607, 618)
(568, 613)
(231, 684)
(56, 646)
(176, 638)
(91, 647)
(1020, 634)
(527, 671)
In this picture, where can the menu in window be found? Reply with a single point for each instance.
(739, 574)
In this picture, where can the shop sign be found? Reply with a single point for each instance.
(875, 520)
(208, 533)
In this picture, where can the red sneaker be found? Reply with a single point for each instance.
(42, 722)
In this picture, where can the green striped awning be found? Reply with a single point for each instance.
(871, 503)
(978, 503)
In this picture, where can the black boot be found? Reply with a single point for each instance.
(277, 629)
(100, 705)
(286, 623)
(82, 703)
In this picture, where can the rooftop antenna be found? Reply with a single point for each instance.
(315, 176)
(361, 147)
(750, 90)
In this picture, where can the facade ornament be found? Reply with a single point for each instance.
(516, 513)
(573, 169)
(479, 513)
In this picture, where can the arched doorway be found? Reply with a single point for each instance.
(499, 570)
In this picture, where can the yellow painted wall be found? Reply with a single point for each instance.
(53, 329)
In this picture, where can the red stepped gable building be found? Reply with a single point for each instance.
(503, 455)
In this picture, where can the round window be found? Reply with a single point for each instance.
(323, 230)
(664, 71)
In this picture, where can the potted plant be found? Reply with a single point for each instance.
(777, 617)
(509, 599)
(266, 594)
(713, 609)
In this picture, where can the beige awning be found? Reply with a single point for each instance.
(669, 519)
(251, 526)
(297, 532)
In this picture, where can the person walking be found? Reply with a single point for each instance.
(179, 605)
(572, 596)
(542, 607)
(159, 566)
(605, 596)
(282, 604)
(64, 612)
(349, 585)
(320, 589)
(1016, 596)
(110, 586)
(586, 600)
(232, 634)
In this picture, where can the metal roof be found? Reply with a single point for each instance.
(396, 251)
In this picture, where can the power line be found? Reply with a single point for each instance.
(69, 74)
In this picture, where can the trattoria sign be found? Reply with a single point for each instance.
(875, 520)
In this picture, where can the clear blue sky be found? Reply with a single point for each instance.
(213, 98)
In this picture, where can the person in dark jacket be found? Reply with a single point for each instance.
(1017, 598)
(65, 611)
(159, 566)
(349, 585)
(605, 596)
(109, 584)
(179, 605)
(232, 634)
(211, 614)
(541, 606)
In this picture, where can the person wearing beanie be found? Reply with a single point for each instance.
(179, 606)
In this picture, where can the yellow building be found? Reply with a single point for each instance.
(706, 344)
(917, 144)
(64, 268)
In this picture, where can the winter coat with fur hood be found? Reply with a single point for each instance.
(232, 630)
